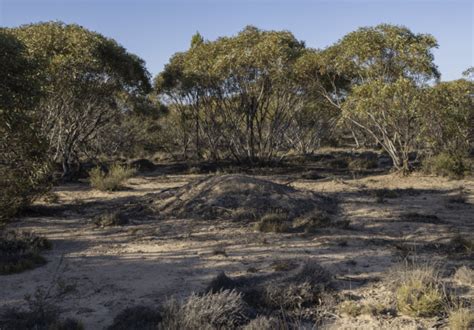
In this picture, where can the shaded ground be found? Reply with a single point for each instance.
(93, 273)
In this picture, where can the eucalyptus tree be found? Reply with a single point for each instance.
(23, 167)
(384, 61)
(86, 79)
(449, 118)
(243, 88)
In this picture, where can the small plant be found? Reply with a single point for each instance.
(219, 251)
(20, 251)
(461, 319)
(382, 194)
(114, 218)
(41, 314)
(350, 308)
(464, 276)
(418, 290)
(137, 318)
(283, 265)
(112, 180)
(362, 164)
(220, 310)
(462, 244)
(312, 222)
(446, 165)
(273, 222)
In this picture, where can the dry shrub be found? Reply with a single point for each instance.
(462, 244)
(40, 315)
(137, 318)
(265, 323)
(215, 310)
(20, 251)
(300, 290)
(461, 319)
(112, 180)
(362, 164)
(273, 222)
(114, 218)
(464, 276)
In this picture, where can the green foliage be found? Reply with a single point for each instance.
(86, 80)
(111, 180)
(390, 113)
(23, 166)
(446, 164)
(448, 118)
(21, 251)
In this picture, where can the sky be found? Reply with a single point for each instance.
(155, 30)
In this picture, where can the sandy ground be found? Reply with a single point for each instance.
(93, 273)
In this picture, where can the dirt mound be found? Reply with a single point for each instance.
(238, 197)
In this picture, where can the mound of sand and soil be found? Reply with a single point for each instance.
(239, 196)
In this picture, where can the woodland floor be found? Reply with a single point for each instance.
(93, 273)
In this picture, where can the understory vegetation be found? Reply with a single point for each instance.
(254, 135)
(253, 98)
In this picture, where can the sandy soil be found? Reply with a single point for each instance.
(93, 273)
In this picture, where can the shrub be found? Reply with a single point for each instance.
(137, 318)
(361, 164)
(462, 244)
(40, 315)
(21, 251)
(113, 218)
(446, 165)
(265, 323)
(273, 222)
(464, 276)
(220, 310)
(461, 319)
(112, 180)
(312, 222)
(418, 290)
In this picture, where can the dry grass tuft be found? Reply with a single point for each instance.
(461, 319)
(273, 222)
(136, 318)
(464, 276)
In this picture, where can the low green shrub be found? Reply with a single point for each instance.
(112, 180)
(446, 165)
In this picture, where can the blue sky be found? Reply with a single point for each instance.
(155, 30)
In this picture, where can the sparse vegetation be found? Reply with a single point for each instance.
(300, 172)
(111, 180)
(273, 222)
(418, 290)
(20, 251)
(111, 218)
(445, 164)
(461, 319)
(40, 315)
